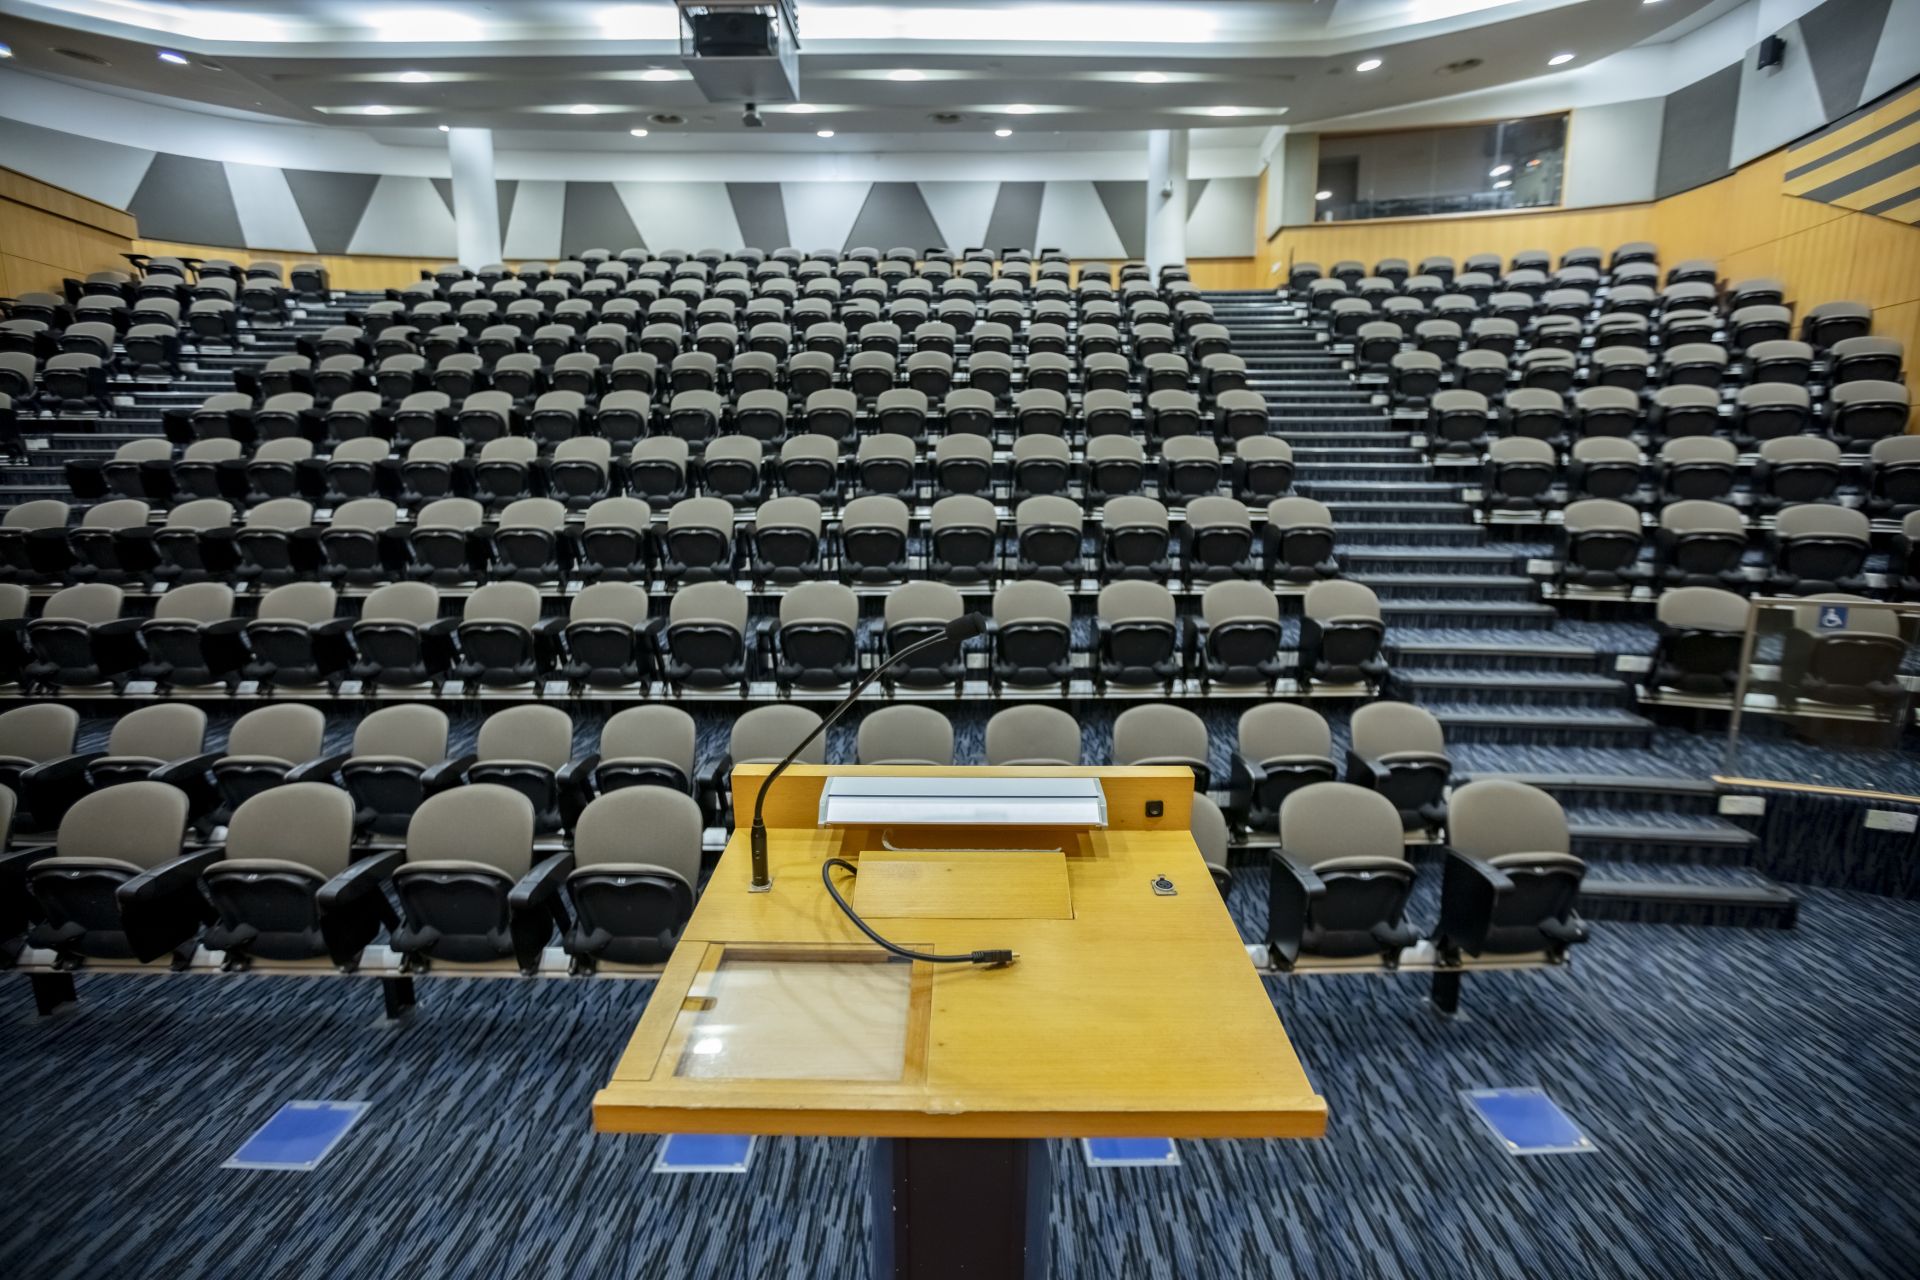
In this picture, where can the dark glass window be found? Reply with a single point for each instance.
(1509, 164)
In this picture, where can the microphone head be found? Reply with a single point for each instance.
(966, 626)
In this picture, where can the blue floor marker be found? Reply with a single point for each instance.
(1130, 1153)
(1527, 1122)
(298, 1136)
(704, 1153)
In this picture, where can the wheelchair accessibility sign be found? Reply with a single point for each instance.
(1833, 617)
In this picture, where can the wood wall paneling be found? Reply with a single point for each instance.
(48, 234)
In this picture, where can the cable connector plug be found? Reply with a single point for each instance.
(994, 959)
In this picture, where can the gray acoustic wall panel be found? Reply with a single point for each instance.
(1126, 205)
(820, 214)
(1696, 132)
(103, 171)
(1073, 219)
(894, 214)
(1613, 153)
(405, 217)
(1897, 59)
(269, 218)
(761, 213)
(961, 210)
(1841, 36)
(330, 204)
(534, 229)
(1776, 106)
(1220, 224)
(185, 199)
(596, 218)
(1015, 222)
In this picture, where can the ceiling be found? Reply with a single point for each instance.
(581, 75)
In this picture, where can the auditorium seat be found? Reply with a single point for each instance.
(1520, 473)
(286, 886)
(1032, 634)
(1856, 358)
(911, 736)
(1600, 541)
(115, 883)
(1159, 733)
(1032, 735)
(1864, 410)
(1698, 639)
(645, 746)
(400, 637)
(1855, 664)
(1399, 750)
(705, 641)
(1341, 635)
(634, 877)
(1139, 634)
(1698, 467)
(1819, 548)
(469, 888)
(80, 638)
(1797, 469)
(263, 747)
(1891, 479)
(1300, 540)
(528, 749)
(1281, 748)
(763, 735)
(1509, 885)
(1339, 883)
(1770, 411)
(192, 639)
(1238, 633)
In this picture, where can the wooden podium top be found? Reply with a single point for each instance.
(1127, 1013)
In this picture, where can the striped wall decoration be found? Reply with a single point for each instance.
(1869, 161)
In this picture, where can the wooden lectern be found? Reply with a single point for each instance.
(1130, 1011)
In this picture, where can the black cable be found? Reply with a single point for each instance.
(971, 957)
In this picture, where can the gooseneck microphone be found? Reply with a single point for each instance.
(962, 628)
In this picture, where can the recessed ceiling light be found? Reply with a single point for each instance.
(801, 109)
(1223, 111)
(905, 74)
(446, 128)
(1559, 59)
(1150, 77)
(1503, 184)
(6, 51)
(1499, 170)
(823, 133)
(638, 133)
(177, 59)
(1003, 133)
(1371, 64)
(583, 109)
(659, 74)
(1020, 109)
(1323, 195)
(377, 111)
(414, 77)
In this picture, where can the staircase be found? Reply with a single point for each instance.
(1469, 640)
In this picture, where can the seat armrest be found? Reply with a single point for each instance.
(320, 769)
(1245, 776)
(169, 877)
(185, 773)
(49, 789)
(1364, 772)
(541, 884)
(574, 774)
(448, 773)
(1309, 881)
(358, 880)
(1455, 862)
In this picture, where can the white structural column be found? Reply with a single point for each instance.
(476, 202)
(1166, 198)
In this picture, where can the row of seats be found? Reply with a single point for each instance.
(1528, 474)
(1856, 415)
(400, 756)
(1812, 547)
(875, 539)
(1855, 664)
(707, 638)
(583, 470)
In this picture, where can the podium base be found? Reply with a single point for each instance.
(947, 1208)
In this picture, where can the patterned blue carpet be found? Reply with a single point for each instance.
(1750, 1092)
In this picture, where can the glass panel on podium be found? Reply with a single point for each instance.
(763, 1012)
